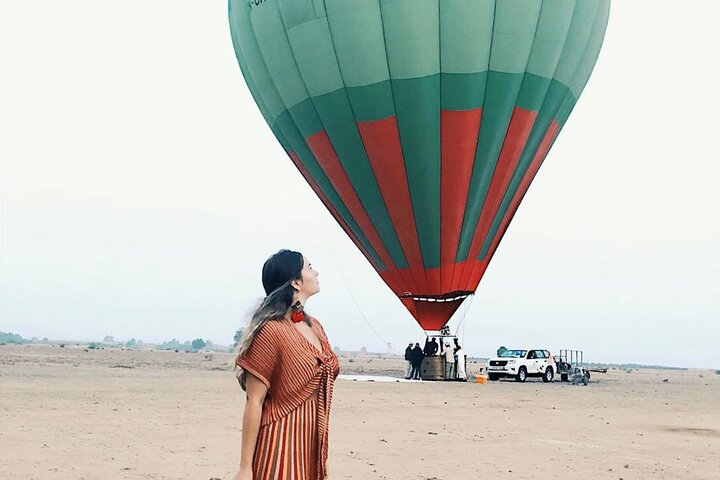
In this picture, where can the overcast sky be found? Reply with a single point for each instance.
(141, 191)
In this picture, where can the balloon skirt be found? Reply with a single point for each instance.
(287, 449)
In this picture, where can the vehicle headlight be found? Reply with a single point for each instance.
(511, 362)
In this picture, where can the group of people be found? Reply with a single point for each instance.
(414, 357)
(454, 357)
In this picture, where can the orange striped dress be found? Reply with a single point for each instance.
(292, 442)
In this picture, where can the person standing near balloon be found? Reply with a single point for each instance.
(417, 358)
(449, 355)
(287, 368)
(460, 358)
(433, 347)
(408, 358)
(427, 347)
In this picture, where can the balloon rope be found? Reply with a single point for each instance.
(352, 297)
(466, 311)
(462, 319)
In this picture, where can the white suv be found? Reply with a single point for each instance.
(521, 364)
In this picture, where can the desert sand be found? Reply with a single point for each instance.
(112, 414)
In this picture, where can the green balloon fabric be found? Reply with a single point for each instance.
(420, 124)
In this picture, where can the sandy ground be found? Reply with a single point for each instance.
(68, 413)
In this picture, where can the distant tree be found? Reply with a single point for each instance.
(238, 336)
(132, 343)
(10, 337)
(109, 339)
(198, 343)
(45, 340)
(171, 345)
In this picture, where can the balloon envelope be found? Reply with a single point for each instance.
(420, 124)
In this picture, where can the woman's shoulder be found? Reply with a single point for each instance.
(317, 323)
(273, 330)
(319, 328)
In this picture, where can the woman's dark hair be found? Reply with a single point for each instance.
(277, 274)
(279, 270)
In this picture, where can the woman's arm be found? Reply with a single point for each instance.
(256, 392)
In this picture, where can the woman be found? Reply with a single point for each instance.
(287, 369)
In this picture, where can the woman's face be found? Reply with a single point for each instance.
(309, 284)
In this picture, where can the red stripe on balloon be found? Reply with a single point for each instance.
(331, 208)
(431, 315)
(433, 279)
(515, 140)
(382, 145)
(459, 133)
(389, 279)
(547, 141)
(459, 269)
(324, 152)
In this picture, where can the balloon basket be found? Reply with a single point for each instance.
(433, 368)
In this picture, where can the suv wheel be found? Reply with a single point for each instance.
(548, 375)
(564, 377)
(521, 375)
(493, 377)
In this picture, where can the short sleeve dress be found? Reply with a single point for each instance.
(292, 442)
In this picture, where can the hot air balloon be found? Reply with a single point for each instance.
(420, 124)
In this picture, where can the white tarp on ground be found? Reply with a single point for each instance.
(372, 378)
